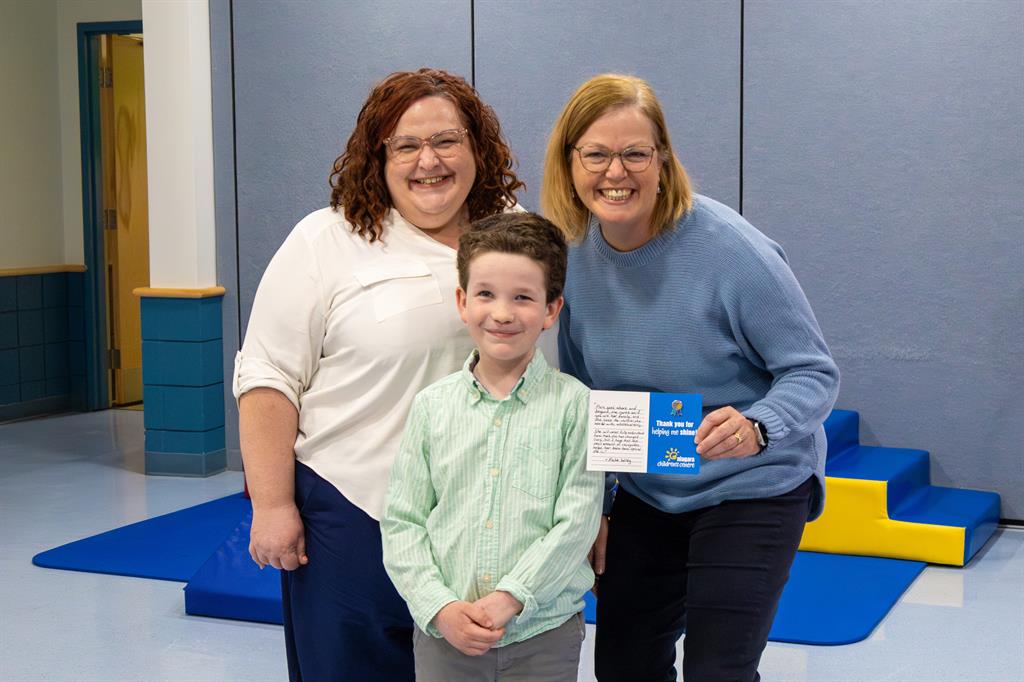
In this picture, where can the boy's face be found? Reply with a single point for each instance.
(505, 308)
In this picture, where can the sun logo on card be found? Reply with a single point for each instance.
(677, 408)
(671, 454)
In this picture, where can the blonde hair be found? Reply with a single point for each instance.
(594, 99)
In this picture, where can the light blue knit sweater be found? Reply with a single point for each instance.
(708, 307)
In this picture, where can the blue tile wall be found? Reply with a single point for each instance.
(31, 363)
(185, 464)
(32, 390)
(55, 324)
(30, 327)
(8, 329)
(56, 360)
(9, 373)
(183, 408)
(181, 319)
(182, 363)
(76, 358)
(183, 385)
(36, 360)
(193, 442)
(56, 387)
(10, 394)
(30, 292)
(8, 294)
(76, 323)
(76, 288)
(55, 290)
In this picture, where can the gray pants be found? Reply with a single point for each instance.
(552, 656)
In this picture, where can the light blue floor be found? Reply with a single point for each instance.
(64, 478)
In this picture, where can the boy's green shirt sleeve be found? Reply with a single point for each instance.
(410, 499)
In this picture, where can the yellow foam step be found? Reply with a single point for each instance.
(856, 521)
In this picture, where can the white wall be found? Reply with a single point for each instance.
(69, 14)
(31, 233)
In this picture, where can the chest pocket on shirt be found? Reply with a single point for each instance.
(396, 286)
(537, 463)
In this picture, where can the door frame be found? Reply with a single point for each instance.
(97, 363)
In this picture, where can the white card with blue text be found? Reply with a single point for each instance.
(643, 433)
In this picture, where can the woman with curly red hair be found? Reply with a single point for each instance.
(354, 315)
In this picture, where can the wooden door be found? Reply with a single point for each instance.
(123, 115)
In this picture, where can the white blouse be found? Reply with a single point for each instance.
(349, 332)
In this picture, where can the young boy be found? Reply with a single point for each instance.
(490, 511)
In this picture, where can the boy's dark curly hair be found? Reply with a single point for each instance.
(525, 234)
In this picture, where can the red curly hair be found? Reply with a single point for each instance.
(357, 179)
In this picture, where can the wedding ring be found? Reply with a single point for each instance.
(738, 437)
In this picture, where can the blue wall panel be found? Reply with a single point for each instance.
(531, 56)
(884, 150)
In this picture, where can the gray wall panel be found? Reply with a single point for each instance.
(531, 55)
(302, 71)
(883, 149)
(224, 208)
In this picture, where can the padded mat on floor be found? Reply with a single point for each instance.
(838, 598)
(830, 598)
(168, 547)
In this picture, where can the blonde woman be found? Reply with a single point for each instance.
(672, 291)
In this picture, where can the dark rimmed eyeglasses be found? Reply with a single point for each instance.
(406, 148)
(597, 159)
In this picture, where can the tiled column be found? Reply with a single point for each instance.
(183, 381)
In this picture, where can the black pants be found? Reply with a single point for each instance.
(716, 573)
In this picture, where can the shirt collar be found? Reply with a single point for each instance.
(524, 387)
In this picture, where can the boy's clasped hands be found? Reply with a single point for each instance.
(473, 628)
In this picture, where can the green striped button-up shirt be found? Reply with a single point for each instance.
(491, 495)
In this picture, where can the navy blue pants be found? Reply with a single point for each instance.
(716, 573)
(343, 619)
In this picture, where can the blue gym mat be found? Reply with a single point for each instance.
(168, 547)
(830, 598)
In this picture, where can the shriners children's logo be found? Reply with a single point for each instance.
(677, 408)
(672, 454)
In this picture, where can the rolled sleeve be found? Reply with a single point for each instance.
(285, 336)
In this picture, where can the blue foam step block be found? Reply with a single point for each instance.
(977, 511)
(230, 585)
(842, 430)
(168, 547)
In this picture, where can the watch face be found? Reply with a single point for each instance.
(762, 433)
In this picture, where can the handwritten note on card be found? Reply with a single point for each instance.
(637, 432)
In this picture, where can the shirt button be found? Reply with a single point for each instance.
(486, 577)
(524, 393)
(489, 524)
(497, 421)
(495, 472)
